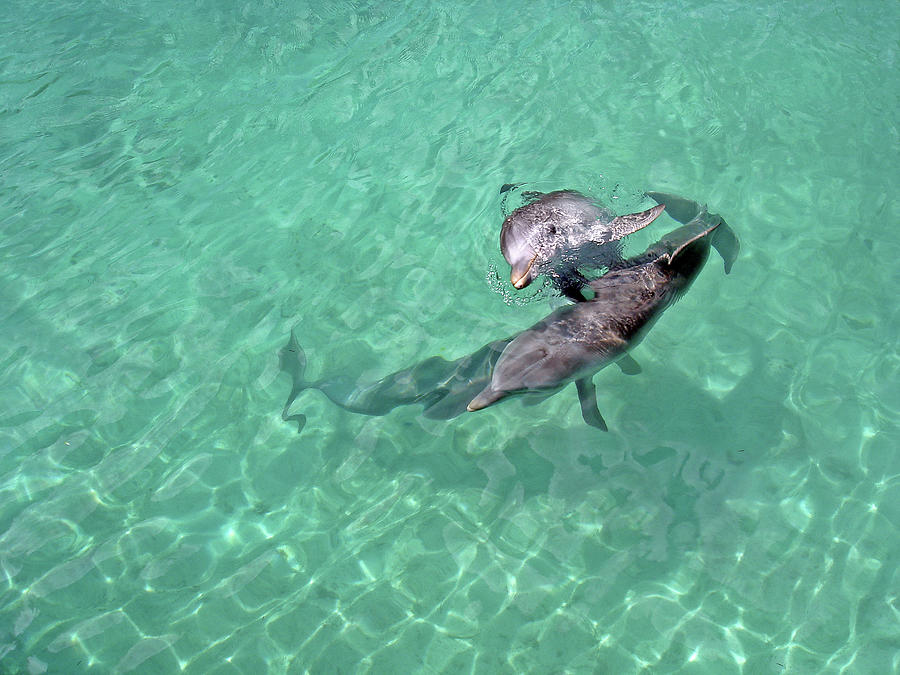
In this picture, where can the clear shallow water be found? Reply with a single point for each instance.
(184, 184)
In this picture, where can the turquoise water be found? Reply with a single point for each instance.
(182, 184)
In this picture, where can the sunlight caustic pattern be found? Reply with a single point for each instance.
(186, 183)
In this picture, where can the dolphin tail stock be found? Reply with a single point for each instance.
(724, 239)
(442, 387)
(681, 209)
(292, 360)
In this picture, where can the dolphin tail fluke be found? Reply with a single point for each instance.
(725, 241)
(292, 360)
(587, 397)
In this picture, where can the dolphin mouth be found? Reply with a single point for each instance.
(520, 281)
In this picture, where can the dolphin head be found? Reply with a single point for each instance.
(562, 231)
(533, 234)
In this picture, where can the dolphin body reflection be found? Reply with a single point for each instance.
(570, 345)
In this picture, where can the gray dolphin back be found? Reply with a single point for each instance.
(684, 210)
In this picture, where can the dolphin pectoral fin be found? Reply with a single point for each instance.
(622, 226)
(292, 360)
(681, 209)
(572, 284)
(587, 397)
(725, 241)
(299, 418)
(628, 365)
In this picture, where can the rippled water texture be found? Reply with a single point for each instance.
(184, 183)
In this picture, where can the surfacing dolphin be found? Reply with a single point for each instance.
(576, 341)
(558, 233)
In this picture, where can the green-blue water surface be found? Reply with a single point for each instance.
(184, 183)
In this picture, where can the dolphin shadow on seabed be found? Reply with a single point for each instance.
(569, 345)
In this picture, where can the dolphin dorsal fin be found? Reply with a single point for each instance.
(622, 226)
(699, 234)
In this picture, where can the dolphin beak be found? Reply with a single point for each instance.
(483, 400)
(520, 278)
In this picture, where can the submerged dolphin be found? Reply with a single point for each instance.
(558, 232)
(441, 387)
(576, 341)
